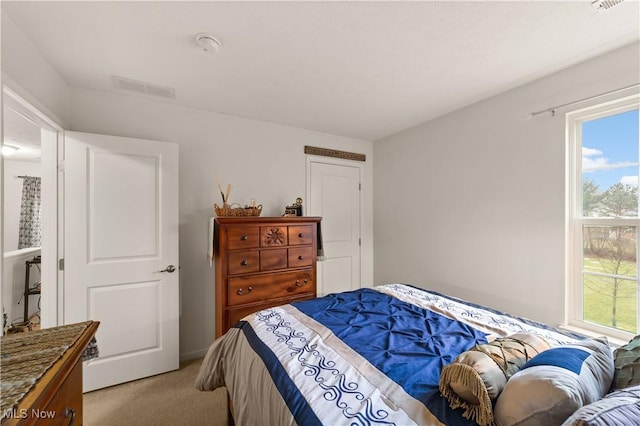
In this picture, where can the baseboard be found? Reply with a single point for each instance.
(188, 356)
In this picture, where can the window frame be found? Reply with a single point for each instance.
(575, 220)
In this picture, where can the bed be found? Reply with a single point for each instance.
(367, 357)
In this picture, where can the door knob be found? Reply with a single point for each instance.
(168, 269)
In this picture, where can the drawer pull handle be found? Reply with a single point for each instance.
(298, 284)
(244, 263)
(240, 292)
(244, 238)
(300, 257)
(70, 412)
(301, 235)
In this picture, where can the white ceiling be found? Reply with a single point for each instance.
(21, 133)
(360, 69)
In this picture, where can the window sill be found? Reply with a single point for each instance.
(613, 341)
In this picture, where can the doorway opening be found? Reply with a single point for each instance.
(30, 215)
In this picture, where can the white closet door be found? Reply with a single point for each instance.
(335, 195)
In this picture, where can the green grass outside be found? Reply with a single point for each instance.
(598, 296)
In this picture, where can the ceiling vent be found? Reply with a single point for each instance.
(605, 4)
(142, 87)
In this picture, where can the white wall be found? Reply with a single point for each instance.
(28, 73)
(262, 161)
(482, 194)
(13, 198)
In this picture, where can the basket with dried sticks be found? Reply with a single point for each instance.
(232, 210)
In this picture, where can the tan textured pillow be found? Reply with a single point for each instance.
(476, 377)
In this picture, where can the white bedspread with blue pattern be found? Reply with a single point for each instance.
(365, 357)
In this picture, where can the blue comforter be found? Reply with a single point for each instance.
(407, 343)
(365, 357)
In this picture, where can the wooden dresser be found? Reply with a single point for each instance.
(56, 396)
(262, 262)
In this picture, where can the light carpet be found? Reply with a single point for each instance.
(167, 399)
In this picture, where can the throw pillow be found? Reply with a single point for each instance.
(556, 383)
(621, 407)
(627, 364)
(476, 377)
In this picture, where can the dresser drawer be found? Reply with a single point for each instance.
(257, 288)
(271, 260)
(243, 262)
(299, 235)
(300, 256)
(233, 315)
(243, 237)
(273, 236)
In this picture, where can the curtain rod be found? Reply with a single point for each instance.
(553, 109)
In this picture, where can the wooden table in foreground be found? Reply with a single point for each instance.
(56, 397)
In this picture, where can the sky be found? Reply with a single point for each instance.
(610, 149)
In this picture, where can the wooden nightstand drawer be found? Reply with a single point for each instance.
(243, 237)
(243, 290)
(299, 235)
(300, 256)
(271, 260)
(243, 262)
(67, 402)
(51, 393)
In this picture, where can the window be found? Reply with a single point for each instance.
(603, 218)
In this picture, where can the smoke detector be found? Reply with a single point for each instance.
(605, 4)
(207, 42)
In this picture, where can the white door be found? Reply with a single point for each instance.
(120, 234)
(335, 195)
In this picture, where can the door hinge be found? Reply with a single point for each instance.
(359, 241)
(61, 264)
(359, 187)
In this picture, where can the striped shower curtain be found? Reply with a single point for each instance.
(30, 213)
